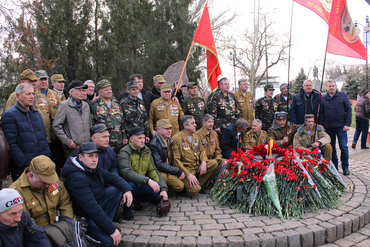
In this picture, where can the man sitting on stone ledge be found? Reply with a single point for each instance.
(303, 139)
(255, 137)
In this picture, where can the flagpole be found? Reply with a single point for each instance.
(290, 45)
(183, 69)
(322, 80)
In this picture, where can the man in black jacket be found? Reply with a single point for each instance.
(91, 199)
(161, 147)
(362, 110)
(232, 137)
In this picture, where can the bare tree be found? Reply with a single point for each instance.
(254, 45)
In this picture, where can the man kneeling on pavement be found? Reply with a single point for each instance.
(162, 152)
(136, 165)
(85, 182)
(303, 139)
(191, 158)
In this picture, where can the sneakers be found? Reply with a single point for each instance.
(353, 145)
(346, 172)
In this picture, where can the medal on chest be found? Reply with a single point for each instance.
(53, 189)
(185, 146)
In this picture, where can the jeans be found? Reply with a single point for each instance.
(142, 193)
(362, 127)
(109, 204)
(342, 140)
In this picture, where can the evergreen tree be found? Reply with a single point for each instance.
(298, 82)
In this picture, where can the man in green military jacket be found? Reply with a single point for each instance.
(266, 107)
(194, 105)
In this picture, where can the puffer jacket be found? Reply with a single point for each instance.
(86, 188)
(139, 167)
(303, 140)
(26, 136)
(299, 106)
(71, 124)
(362, 108)
(336, 111)
(108, 160)
(26, 233)
(160, 155)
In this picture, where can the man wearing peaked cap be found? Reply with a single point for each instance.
(16, 226)
(194, 105)
(106, 110)
(266, 107)
(134, 111)
(73, 119)
(165, 108)
(158, 82)
(91, 198)
(43, 207)
(136, 165)
(278, 130)
(57, 83)
(162, 152)
(27, 76)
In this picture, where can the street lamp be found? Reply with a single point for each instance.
(366, 30)
(233, 57)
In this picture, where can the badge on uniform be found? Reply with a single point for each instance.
(53, 100)
(160, 106)
(201, 105)
(174, 110)
(53, 188)
(33, 202)
(142, 107)
(196, 146)
(185, 146)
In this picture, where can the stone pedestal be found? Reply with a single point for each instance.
(316, 84)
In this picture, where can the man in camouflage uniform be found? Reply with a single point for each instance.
(210, 140)
(58, 81)
(278, 130)
(165, 108)
(223, 106)
(47, 102)
(282, 99)
(245, 101)
(106, 110)
(255, 137)
(134, 112)
(194, 105)
(27, 76)
(266, 107)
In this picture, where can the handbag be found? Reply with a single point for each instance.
(163, 207)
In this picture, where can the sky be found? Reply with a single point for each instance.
(309, 34)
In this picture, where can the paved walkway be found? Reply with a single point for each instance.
(198, 221)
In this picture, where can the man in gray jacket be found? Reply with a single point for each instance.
(73, 121)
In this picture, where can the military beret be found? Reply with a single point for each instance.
(42, 74)
(159, 78)
(102, 84)
(190, 84)
(88, 148)
(164, 123)
(98, 128)
(136, 131)
(268, 86)
(280, 115)
(28, 75)
(131, 84)
(166, 88)
(44, 167)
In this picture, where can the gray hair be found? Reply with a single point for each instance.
(308, 80)
(19, 89)
(241, 123)
(242, 80)
(207, 117)
(259, 122)
(332, 81)
(185, 120)
(89, 81)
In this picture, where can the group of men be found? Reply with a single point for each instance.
(147, 144)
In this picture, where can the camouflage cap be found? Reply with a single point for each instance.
(102, 84)
(28, 75)
(164, 123)
(166, 88)
(159, 78)
(44, 168)
(280, 115)
(42, 74)
(131, 84)
(268, 86)
(57, 77)
(190, 84)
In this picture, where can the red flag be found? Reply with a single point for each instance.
(342, 38)
(204, 37)
(320, 7)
